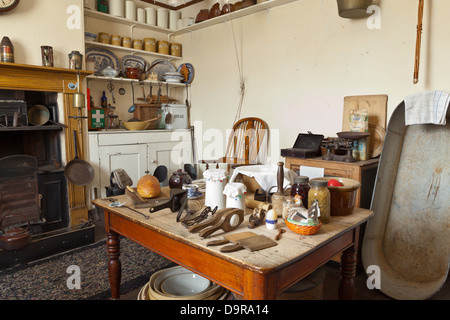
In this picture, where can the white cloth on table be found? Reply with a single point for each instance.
(265, 175)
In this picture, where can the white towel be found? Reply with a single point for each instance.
(427, 107)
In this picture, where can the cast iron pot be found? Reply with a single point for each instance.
(16, 238)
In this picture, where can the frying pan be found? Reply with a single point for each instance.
(78, 171)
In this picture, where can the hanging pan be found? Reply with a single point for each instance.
(78, 171)
(353, 9)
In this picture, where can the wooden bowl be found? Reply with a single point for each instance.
(136, 125)
(303, 230)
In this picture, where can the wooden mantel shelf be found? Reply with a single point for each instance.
(16, 76)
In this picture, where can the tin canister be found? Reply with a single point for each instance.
(150, 44)
(361, 149)
(75, 60)
(116, 40)
(7, 50)
(103, 37)
(163, 47)
(175, 49)
(126, 42)
(137, 44)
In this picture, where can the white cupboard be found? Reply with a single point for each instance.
(137, 152)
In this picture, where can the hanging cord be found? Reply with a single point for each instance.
(241, 74)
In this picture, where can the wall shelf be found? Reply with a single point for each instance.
(232, 15)
(107, 17)
(135, 81)
(201, 25)
(131, 50)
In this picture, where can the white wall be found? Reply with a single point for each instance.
(300, 60)
(43, 22)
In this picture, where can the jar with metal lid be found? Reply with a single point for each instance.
(319, 191)
(301, 187)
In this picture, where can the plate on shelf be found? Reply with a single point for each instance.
(133, 62)
(161, 67)
(188, 72)
(102, 58)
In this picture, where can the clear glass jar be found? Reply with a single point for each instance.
(319, 191)
(301, 187)
(288, 203)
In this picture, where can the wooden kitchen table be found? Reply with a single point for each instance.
(257, 275)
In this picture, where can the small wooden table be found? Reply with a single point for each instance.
(254, 275)
(362, 171)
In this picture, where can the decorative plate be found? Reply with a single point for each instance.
(134, 62)
(377, 135)
(161, 67)
(188, 72)
(102, 59)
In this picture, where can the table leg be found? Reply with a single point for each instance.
(348, 272)
(114, 265)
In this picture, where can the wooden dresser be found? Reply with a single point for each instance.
(363, 171)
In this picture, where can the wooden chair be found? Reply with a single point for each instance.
(244, 144)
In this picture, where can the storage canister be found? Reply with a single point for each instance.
(235, 193)
(319, 191)
(175, 49)
(103, 37)
(116, 40)
(137, 44)
(173, 18)
(216, 180)
(116, 8)
(141, 15)
(150, 44)
(102, 6)
(162, 18)
(163, 47)
(150, 16)
(126, 42)
(130, 10)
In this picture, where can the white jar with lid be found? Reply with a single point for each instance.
(216, 180)
(235, 193)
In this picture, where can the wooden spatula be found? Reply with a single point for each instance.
(255, 243)
(231, 238)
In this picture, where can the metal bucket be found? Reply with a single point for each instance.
(353, 9)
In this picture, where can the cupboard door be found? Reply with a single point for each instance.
(171, 154)
(131, 158)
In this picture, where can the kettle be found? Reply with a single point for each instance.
(15, 238)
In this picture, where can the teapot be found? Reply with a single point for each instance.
(14, 238)
(178, 179)
(134, 73)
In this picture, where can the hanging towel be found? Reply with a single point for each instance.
(427, 107)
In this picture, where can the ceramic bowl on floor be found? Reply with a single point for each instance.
(159, 277)
(184, 284)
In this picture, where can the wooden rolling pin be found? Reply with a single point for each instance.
(252, 204)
